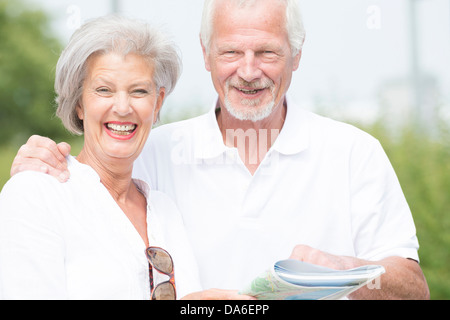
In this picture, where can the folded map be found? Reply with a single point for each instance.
(297, 280)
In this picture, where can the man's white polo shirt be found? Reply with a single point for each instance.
(323, 183)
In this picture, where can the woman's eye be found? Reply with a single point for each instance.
(103, 90)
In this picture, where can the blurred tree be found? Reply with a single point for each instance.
(28, 55)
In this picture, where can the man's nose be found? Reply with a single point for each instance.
(122, 104)
(249, 68)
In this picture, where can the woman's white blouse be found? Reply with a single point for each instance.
(72, 241)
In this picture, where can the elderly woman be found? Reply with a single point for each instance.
(102, 235)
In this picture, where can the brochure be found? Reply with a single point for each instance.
(297, 280)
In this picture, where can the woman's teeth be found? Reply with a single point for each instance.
(121, 129)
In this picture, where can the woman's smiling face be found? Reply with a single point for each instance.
(119, 105)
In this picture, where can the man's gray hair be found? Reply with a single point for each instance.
(106, 35)
(294, 22)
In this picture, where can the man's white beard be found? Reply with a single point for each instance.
(254, 113)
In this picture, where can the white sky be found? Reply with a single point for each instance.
(344, 62)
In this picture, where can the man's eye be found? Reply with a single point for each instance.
(229, 53)
(140, 92)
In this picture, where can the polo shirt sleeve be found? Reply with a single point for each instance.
(382, 224)
(31, 249)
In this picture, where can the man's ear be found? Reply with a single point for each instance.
(297, 61)
(205, 56)
(298, 57)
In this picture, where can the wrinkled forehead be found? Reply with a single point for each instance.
(250, 3)
(253, 17)
(242, 5)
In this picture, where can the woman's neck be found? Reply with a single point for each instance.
(115, 174)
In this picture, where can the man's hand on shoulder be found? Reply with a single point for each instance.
(44, 155)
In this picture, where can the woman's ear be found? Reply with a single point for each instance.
(158, 105)
(80, 113)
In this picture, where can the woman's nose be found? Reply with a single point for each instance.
(122, 104)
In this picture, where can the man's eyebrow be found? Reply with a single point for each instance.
(142, 83)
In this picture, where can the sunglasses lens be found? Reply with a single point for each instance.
(164, 291)
(160, 259)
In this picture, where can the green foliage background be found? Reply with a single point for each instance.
(28, 55)
(422, 164)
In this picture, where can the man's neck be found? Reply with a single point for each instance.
(252, 139)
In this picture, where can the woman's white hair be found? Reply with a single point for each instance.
(294, 22)
(105, 35)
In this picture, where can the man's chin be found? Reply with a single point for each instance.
(245, 112)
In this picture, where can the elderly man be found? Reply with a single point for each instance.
(258, 179)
